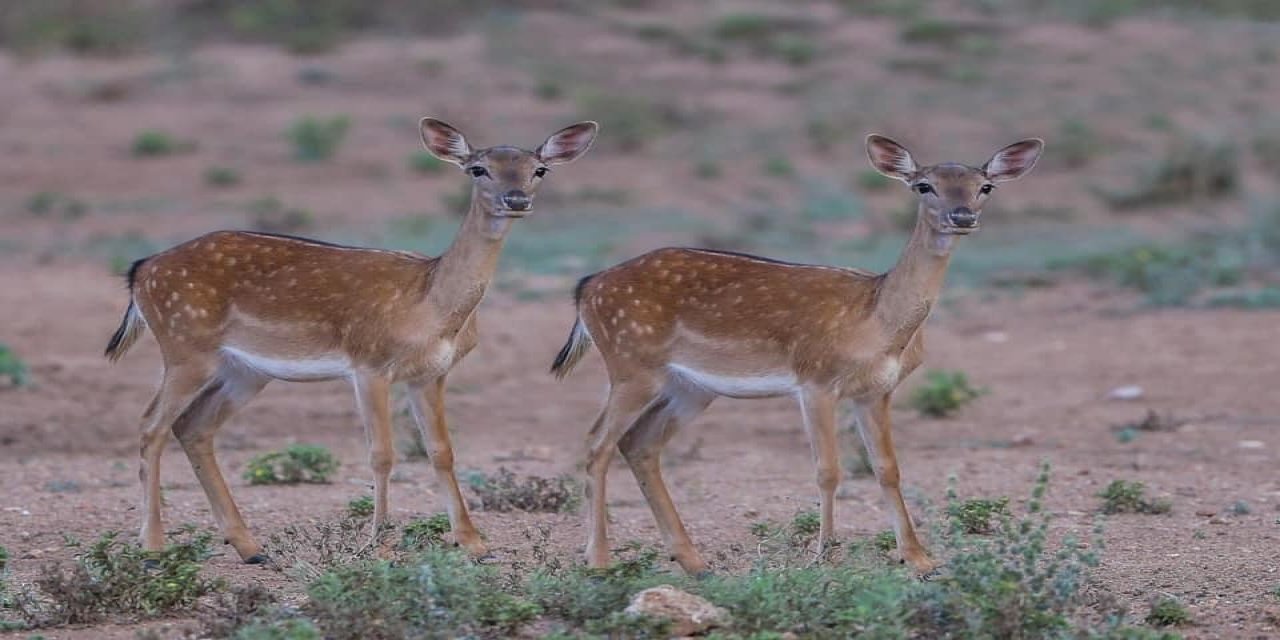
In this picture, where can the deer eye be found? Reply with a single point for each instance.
(478, 172)
(923, 188)
(539, 172)
(986, 188)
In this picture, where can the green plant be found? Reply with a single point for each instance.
(1130, 497)
(12, 367)
(271, 215)
(943, 393)
(317, 139)
(221, 177)
(503, 491)
(587, 597)
(116, 578)
(885, 541)
(974, 515)
(425, 533)
(361, 507)
(1167, 612)
(296, 463)
(152, 142)
(437, 594)
(1239, 508)
(777, 166)
(424, 162)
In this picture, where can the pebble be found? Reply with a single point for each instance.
(997, 337)
(1128, 392)
(1206, 513)
(1217, 520)
(1250, 444)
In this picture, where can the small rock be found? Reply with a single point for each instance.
(1250, 444)
(997, 337)
(1217, 520)
(1024, 439)
(750, 513)
(1206, 513)
(689, 614)
(1127, 392)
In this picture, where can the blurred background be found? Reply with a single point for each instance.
(127, 126)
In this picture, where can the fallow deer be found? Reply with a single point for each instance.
(678, 327)
(233, 310)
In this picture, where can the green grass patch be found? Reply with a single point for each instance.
(974, 516)
(1123, 496)
(361, 507)
(297, 463)
(12, 367)
(1168, 612)
(943, 393)
(153, 142)
(317, 139)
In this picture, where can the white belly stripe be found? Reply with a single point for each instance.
(749, 386)
(321, 368)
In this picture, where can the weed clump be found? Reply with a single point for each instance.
(425, 533)
(158, 143)
(1195, 167)
(1130, 497)
(115, 578)
(317, 139)
(504, 491)
(974, 515)
(361, 507)
(221, 177)
(1167, 612)
(295, 464)
(943, 393)
(12, 367)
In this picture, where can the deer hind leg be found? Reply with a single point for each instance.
(875, 427)
(195, 428)
(642, 447)
(427, 402)
(819, 409)
(179, 387)
(627, 403)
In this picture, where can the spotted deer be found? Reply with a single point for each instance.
(678, 327)
(233, 310)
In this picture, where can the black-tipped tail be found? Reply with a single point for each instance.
(572, 351)
(132, 325)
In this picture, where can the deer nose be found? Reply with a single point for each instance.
(517, 200)
(963, 217)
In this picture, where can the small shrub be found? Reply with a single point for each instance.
(587, 597)
(271, 215)
(425, 533)
(113, 578)
(1193, 167)
(438, 594)
(1168, 612)
(974, 515)
(1169, 274)
(503, 491)
(12, 367)
(297, 463)
(425, 163)
(1239, 508)
(943, 393)
(361, 507)
(777, 166)
(1129, 497)
(306, 550)
(158, 143)
(221, 177)
(241, 606)
(317, 139)
(885, 541)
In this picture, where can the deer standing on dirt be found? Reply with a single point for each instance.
(678, 327)
(233, 310)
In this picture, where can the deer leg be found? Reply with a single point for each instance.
(179, 387)
(627, 403)
(195, 429)
(373, 400)
(819, 410)
(427, 402)
(642, 447)
(876, 429)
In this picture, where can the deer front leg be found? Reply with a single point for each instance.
(819, 409)
(373, 399)
(427, 402)
(876, 429)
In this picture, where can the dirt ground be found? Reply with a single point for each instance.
(1049, 357)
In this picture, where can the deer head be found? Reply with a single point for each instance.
(506, 178)
(951, 195)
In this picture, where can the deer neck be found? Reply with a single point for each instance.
(911, 287)
(465, 269)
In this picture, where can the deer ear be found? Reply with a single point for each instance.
(891, 158)
(568, 143)
(445, 142)
(1013, 161)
